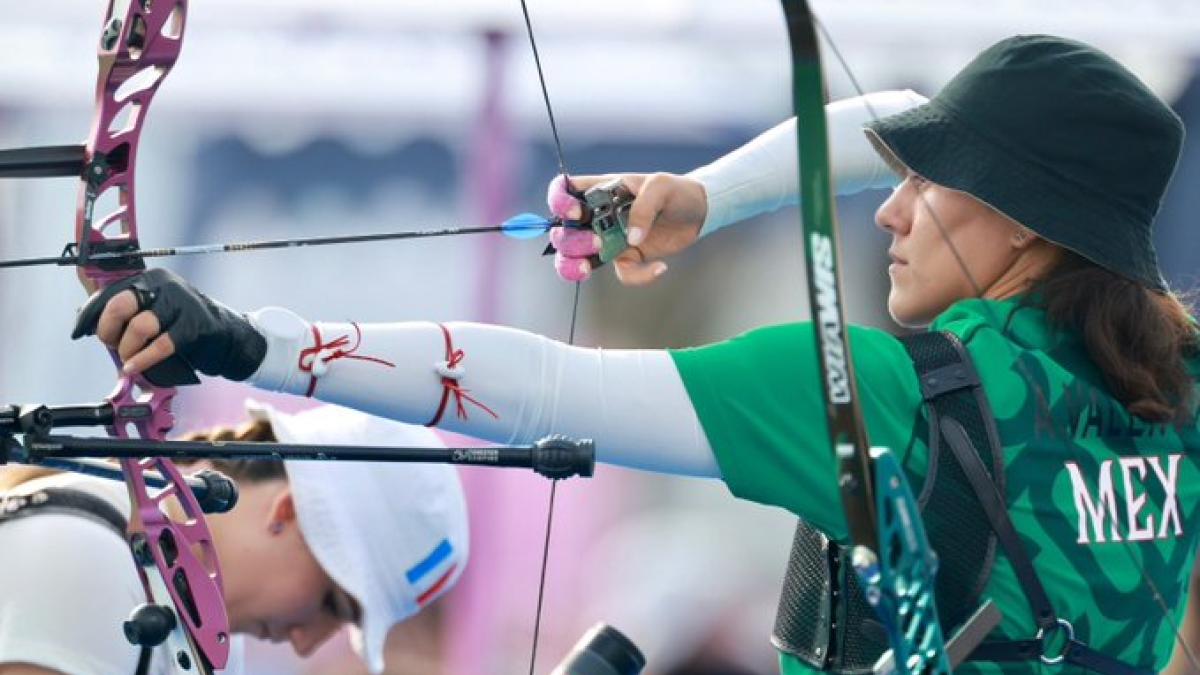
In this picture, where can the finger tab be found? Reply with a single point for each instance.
(572, 269)
(578, 243)
(562, 204)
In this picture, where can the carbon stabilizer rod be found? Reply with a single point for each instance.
(45, 162)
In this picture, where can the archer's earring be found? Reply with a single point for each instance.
(276, 527)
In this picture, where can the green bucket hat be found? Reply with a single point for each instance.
(1057, 136)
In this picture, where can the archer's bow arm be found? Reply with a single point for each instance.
(762, 175)
(491, 382)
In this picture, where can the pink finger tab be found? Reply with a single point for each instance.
(560, 202)
(556, 236)
(578, 243)
(572, 269)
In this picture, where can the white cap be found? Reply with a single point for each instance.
(393, 536)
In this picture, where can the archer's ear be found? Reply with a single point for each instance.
(1023, 238)
(282, 508)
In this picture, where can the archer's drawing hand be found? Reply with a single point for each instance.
(665, 218)
(160, 325)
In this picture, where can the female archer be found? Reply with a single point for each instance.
(1059, 371)
(310, 548)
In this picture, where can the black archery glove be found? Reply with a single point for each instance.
(209, 337)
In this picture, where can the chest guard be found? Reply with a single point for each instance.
(823, 618)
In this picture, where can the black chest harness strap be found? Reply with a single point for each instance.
(992, 500)
(823, 618)
(74, 503)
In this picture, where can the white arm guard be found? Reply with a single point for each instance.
(763, 176)
(507, 386)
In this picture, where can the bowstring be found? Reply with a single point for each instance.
(1039, 394)
(562, 169)
(537, 60)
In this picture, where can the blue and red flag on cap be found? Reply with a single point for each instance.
(432, 574)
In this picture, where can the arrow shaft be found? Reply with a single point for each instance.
(70, 258)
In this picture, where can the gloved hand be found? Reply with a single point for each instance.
(160, 325)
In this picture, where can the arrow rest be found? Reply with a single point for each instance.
(114, 256)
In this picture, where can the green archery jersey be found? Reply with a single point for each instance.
(1094, 492)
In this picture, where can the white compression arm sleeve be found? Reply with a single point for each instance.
(762, 175)
(632, 403)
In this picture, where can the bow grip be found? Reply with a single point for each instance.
(175, 371)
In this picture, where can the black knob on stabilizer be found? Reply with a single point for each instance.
(557, 457)
(149, 625)
(220, 492)
(36, 420)
(603, 650)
